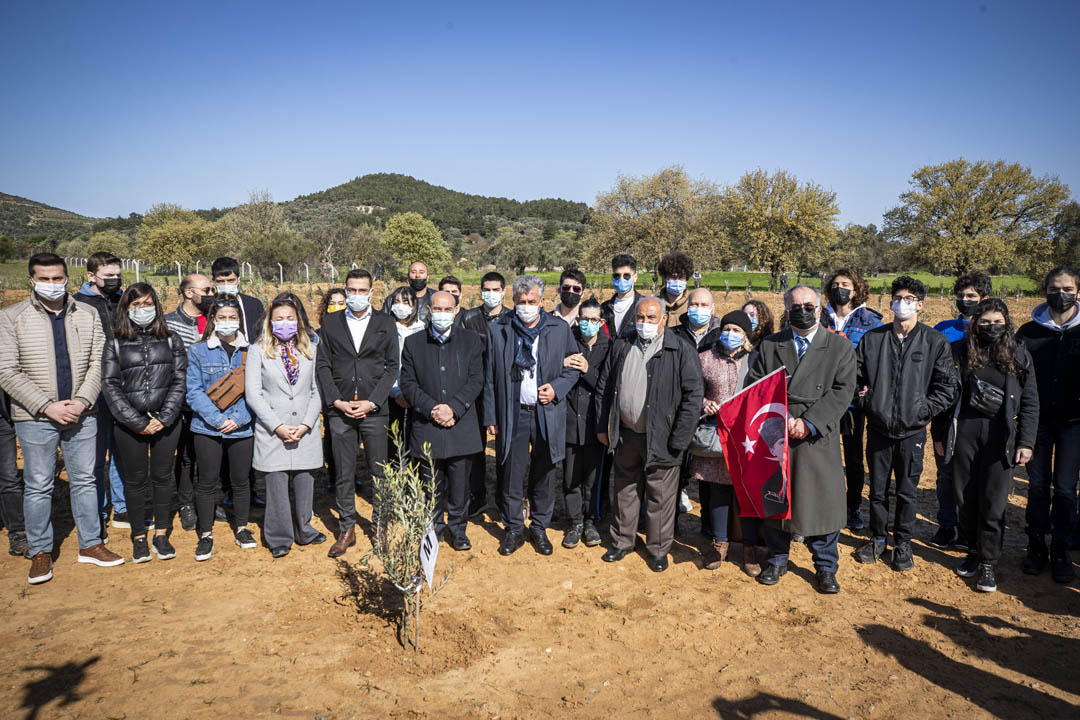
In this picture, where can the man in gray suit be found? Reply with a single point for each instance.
(821, 367)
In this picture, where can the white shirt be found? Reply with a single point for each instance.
(621, 306)
(840, 322)
(528, 394)
(357, 327)
(571, 319)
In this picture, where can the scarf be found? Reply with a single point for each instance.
(290, 361)
(525, 337)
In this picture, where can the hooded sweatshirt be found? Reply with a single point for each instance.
(1055, 352)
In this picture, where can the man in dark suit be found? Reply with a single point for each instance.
(442, 375)
(357, 364)
(620, 309)
(225, 273)
(525, 389)
(821, 368)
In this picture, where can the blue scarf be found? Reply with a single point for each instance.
(525, 337)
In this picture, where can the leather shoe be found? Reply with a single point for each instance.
(771, 574)
(614, 555)
(279, 551)
(825, 582)
(510, 543)
(319, 539)
(658, 563)
(541, 543)
(461, 544)
(343, 543)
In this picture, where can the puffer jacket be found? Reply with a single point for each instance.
(28, 363)
(145, 377)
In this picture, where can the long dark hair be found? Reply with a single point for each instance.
(765, 322)
(405, 294)
(1002, 353)
(325, 304)
(122, 325)
(862, 288)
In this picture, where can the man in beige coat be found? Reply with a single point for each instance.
(50, 365)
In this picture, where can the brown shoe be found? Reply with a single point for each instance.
(716, 555)
(343, 543)
(749, 561)
(40, 568)
(100, 555)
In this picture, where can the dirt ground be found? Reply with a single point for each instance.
(244, 635)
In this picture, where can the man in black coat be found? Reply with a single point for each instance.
(356, 364)
(225, 272)
(906, 376)
(649, 400)
(442, 375)
(526, 383)
(620, 309)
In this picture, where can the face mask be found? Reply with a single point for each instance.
(966, 307)
(50, 291)
(225, 328)
(839, 296)
(569, 299)
(111, 286)
(903, 310)
(334, 308)
(801, 318)
(442, 320)
(204, 303)
(732, 340)
(675, 287)
(492, 298)
(228, 289)
(622, 286)
(358, 303)
(527, 313)
(417, 284)
(753, 324)
(142, 316)
(988, 334)
(283, 329)
(699, 316)
(647, 331)
(1058, 302)
(589, 328)
(401, 310)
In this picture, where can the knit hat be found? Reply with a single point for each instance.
(737, 317)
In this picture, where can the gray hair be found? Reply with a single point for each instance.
(800, 286)
(525, 283)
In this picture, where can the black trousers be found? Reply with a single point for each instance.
(347, 434)
(210, 450)
(148, 473)
(184, 467)
(853, 460)
(11, 486)
(580, 471)
(478, 469)
(527, 448)
(451, 493)
(982, 479)
(904, 459)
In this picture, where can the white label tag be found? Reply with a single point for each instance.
(429, 551)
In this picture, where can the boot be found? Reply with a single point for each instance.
(1037, 555)
(343, 543)
(715, 557)
(750, 562)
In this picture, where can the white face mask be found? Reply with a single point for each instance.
(648, 331)
(492, 298)
(225, 328)
(527, 313)
(50, 291)
(358, 303)
(442, 320)
(401, 310)
(142, 316)
(904, 310)
(228, 289)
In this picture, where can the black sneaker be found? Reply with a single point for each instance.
(592, 537)
(245, 539)
(854, 520)
(572, 536)
(1037, 555)
(18, 546)
(120, 521)
(187, 517)
(1061, 566)
(986, 582)
(162, 548)
(140, 551)
(961, 543)
(943, 538)
(871, 550)
(205, 548)
(902, 559)
(968, 568)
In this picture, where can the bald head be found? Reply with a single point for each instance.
(701, 297)
(443, 301)
(651, 310)
(193, 288)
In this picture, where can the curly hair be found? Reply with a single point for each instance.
(325, 304)
(912, 285)
(1002, 354)
(675, 263)
(862, 288)
(765, 322)
(978, 280)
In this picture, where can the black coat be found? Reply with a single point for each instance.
(345, 374)
(672, 399)
(686, 332)
(144, 377)
(1055, 355)
(478, 318)
(253, 313)
(580, 408)
(451, 373)
(628, 329)
(909, 383)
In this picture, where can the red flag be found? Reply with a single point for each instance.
(753, 430)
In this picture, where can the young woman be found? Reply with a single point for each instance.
(143, 377)
(761, 321)
(220, 433)
(404, 309)
(723, 367)
(333, 301)
(992, 430)
(281, 392)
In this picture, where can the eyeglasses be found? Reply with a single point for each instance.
(808, 307)
(909, 299)
(624, 276)
(576, 289)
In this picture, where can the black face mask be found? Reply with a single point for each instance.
(966, 307)
(205, 303)
(1061, 302)
(989, 334)
(839, 296)
(111, 286)
(569, 299)
(801, 318)
(417, 284)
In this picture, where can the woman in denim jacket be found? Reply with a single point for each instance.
(220, 432)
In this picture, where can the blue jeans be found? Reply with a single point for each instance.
(946, 494)
(823, 548)
(102, 464)
(1055, 465)
(78, 442)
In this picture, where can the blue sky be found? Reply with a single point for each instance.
(110, 107)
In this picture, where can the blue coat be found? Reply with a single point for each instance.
(861, 321)
(207, 363)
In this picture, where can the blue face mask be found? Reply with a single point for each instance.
(753, 324)
(676, 287)
(589, 328)
(622, 286)
(731, 340)
(699, 316)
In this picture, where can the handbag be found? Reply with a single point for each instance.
(985, 397)
(706, 440)
(229, 387)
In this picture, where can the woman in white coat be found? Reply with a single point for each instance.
(282, 394)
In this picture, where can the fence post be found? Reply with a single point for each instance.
(179, 272)
(136, 264)
(280, 274)
(307, 274)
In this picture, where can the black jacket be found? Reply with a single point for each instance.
(628, 329)
(580, 408)
(105, 306)
(345, 374)
(686, 332)
(1055, 355)
(451, 373)
(478, 318)
(144, 377)
(252, 312)
(672, 399)
(908, 383)
(423, 310)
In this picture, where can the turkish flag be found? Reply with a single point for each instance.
(754, 432)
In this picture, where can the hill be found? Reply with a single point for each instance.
(22, 219)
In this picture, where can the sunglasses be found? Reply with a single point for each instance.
(624, 276)
(576, 289)
(808, 307)
(226, 302)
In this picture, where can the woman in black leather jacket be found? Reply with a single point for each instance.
(143, 378)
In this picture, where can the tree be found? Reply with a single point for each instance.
(284, 246)
(960, 216)
(8, 249)
(248, 225)
(1066, 236)
(780, 223)
(657, 214)
(112, 241)
(169, 233)
(411, 238)
(75, 247)
(339, 242)
(520, 246)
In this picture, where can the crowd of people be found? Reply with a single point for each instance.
(222, 404)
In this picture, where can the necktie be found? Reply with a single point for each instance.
(801, 344)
